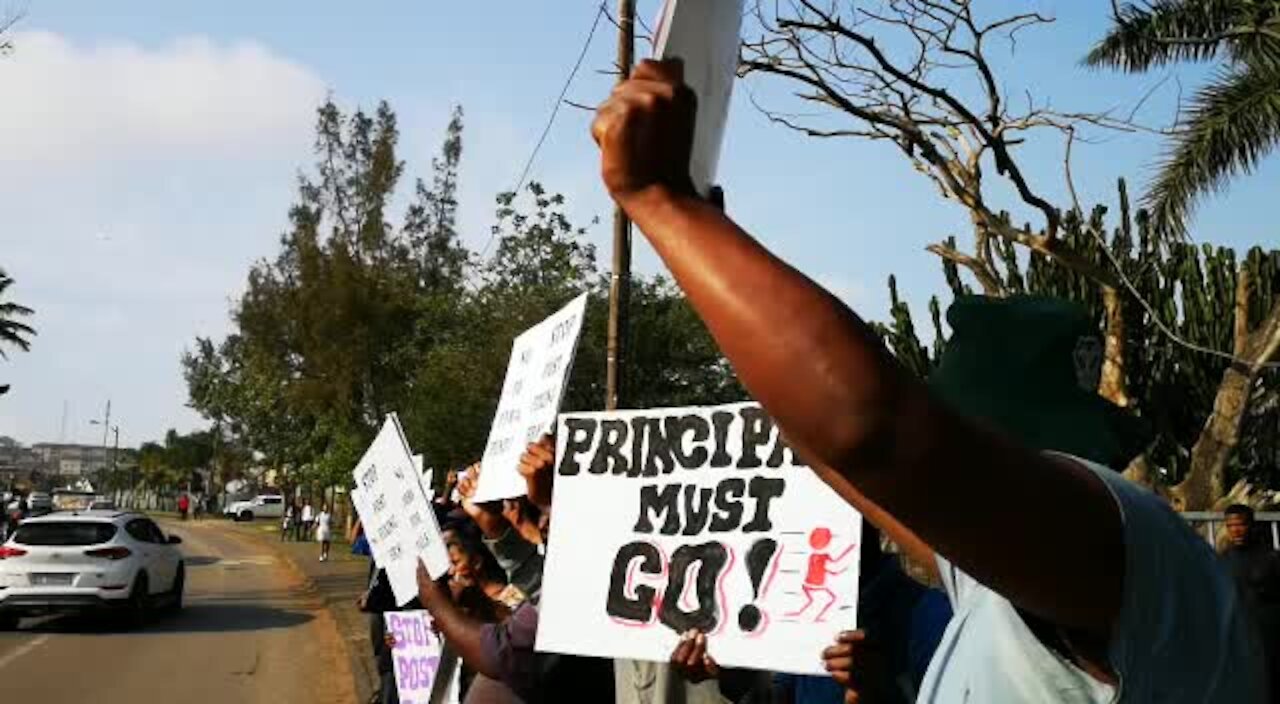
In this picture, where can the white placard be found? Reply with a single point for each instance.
(672, 519)
(416, 656)
(537, 373)
(360, 502)
(705, 34)
(397, 515)
(424, 477)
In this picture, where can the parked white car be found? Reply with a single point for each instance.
(89, 561)
(262, 506)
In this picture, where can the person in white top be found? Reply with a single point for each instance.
(1069, 583)
(323, 531)
(308, 521)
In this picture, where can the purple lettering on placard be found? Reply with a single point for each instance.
(415, 663)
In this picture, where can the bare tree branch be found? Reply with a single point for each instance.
(981, 271)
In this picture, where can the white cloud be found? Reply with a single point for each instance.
(66, 102)
(139, 183)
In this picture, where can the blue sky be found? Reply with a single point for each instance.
(151, 147)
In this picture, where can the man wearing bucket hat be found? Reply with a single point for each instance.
(1069, 583)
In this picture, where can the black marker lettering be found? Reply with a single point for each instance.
(608, 456)
(638, 608)
(721, 420)
(697, 508)
(664, 504)
(679, 426)
(580, 433)
(763, 490)
(729, 504)
(711, 559)
(658, 458)
(756, 429)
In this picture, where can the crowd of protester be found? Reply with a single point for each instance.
(486, 610)
(1061, 581)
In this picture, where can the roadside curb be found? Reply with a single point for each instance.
(356, 648)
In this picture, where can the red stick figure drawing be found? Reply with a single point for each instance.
(821, 565)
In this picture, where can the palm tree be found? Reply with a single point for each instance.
(1233, 121)
(12, 332)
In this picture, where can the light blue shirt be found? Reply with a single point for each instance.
(1181, 636)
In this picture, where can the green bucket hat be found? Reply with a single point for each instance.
(1029, 366)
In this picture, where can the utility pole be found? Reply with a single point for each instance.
(106, 428)
(620, 283)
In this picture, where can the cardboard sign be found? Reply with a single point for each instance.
(425, 477)
(416, 656)
(397, 515)
(705, 34)
(673, 519)
(360, 502)
(541, 358)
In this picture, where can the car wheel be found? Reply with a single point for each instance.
(139, 609)
(175, 594)
(8, 622)
(246, 516)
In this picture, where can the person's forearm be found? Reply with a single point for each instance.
(875, 434)
(822, 372)
(464, 633)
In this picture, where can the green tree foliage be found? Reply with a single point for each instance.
(173, 463)
(1171, 386)
(1234, 120)
(357, 317)
(13, 332)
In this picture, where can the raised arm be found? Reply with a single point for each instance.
(1043, 532)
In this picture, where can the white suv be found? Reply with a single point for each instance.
(264, 506)
(88, 561)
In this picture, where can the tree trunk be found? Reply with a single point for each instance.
(1112, 386)
(1204, 483)
(1139, 472)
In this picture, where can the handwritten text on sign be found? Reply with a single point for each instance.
(396, 514)
(672, 519)
(541, 359)
(416, 656)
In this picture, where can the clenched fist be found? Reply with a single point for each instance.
(645, 132)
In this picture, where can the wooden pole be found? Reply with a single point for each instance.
(620, 283)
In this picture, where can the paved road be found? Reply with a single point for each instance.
(248, 634)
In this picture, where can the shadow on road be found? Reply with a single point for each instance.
(226, 617)
(201, 560)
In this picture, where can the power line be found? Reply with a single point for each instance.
(555, 110)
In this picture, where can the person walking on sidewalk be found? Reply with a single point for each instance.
(323, 527)
(286, 523)
(308, 521)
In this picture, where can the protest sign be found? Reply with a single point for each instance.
(673, 519)
(425, 477)
(397, 515)
(705, 35)
(416, 656)
(359, 501)
(541, 358)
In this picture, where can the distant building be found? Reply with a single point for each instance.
(69, 460)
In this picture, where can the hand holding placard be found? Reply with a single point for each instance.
(396, 513)
(704, 34)
(541, 359)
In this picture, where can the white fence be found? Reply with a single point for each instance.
(1207, 524)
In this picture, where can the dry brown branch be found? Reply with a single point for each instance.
(987, 278)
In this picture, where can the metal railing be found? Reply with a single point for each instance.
(1208, 522)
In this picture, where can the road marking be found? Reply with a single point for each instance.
(257, 561)
(23, 650)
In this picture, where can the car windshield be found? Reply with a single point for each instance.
(64, 533)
